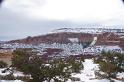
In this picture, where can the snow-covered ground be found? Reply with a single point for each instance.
(74, 48)
(86, 75)
(16, 73)
(11, 81)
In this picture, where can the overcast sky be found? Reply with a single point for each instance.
(22, 18)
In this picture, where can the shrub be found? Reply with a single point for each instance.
(39, 71)
(3, 64)
(110, 63)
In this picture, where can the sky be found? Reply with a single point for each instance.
(22, 18)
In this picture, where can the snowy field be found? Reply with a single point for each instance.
(86, 75)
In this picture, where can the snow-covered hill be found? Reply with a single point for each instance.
(71, 41)
(93, 30)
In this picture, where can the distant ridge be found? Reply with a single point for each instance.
(92, 30)
(65, 35)
(2, 41)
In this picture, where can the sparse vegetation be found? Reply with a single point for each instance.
(12, 77)
(3, 64)
(56, 69)
(110, 63)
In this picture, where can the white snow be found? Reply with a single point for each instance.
(91, 30)
(73, 39)
(73, 48)
(113, 48)
(100, 48)
(88, 72)
(120, 75)
(94, 41)
(88, 75)
(3, 74)
(16, 73)
(11, 81)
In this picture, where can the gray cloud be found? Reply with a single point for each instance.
(14, 26)
(17, 25)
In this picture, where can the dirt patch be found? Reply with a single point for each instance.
(6, 57)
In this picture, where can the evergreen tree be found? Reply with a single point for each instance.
(110, 63)
(56, 69)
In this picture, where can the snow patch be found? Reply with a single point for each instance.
(73, 39)
(11, 81)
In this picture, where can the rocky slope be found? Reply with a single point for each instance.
(105, 38)
(66, 43)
